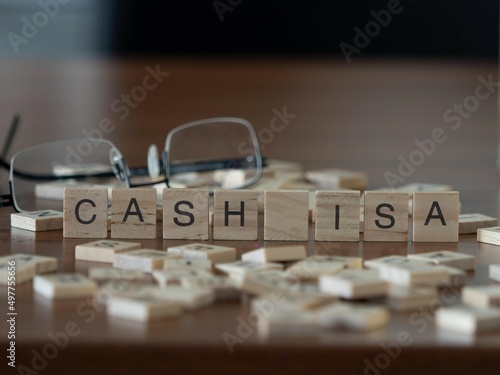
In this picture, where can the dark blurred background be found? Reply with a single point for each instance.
(432, 28)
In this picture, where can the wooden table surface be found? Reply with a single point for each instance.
(363, 116)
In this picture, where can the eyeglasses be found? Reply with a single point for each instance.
(220, 152)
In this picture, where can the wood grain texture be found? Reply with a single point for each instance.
(85, 212)
(435, 216)
(385, 216)
(133, 213)
(236, 215)
(286, 215)
(341, 205)
(193, 221)
(37, 221)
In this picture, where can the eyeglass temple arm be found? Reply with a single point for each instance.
(10, 135)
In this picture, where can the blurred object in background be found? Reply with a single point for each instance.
(54, 27)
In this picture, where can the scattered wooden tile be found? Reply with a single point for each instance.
(470, 223)
(489, 235)
(354, 284)
(64, 286)
(101, 274)
(406, 299)
(263, 282)
(337, 216)
(244, 266)
(286, 215)
(435, 216)
(457, 277)
(386, 216)
(103, 250)
(391, 259)
(494, 272)
(13, 270)
(185, 214)
(235, 215)
(43, 264)
(85, 212)
(338, 178)
(287, 322)
(37, 221)
(133, 213)
(411, 274)
(145, 260)
(308, 288)
(353, 317)
(467, 320)
(190, 298)
(143, 308)
(115, 287)
(216, 254)
(290, 302)
(420, 187)
(313, 267)
(173, 277)
(223, 287)
(482, 296)
(447, 258)
(189, 263)
(276, 254)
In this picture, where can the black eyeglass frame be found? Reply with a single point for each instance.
(122, 172)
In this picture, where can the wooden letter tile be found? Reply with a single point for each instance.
(470, 223)
(447, 258)
(435, 216)
(143, 307)
(494, 272)
(243, 266)
(337, 216)
(217, 254)
(103, 250)
(386, 216)
(24, 271)
(185, 214)
(276, 254)
(235, 215)
(489, 235)
(102, 274)
(353, 316)
(133, 213)
(484, 296)
(193, 263)
(354, 284)
(286, 215)
(145, 260)
(64, 286)
(85, 212)
(467, 320)
(37, 221)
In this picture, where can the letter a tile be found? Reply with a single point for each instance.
(133, 213)
(435, 216)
